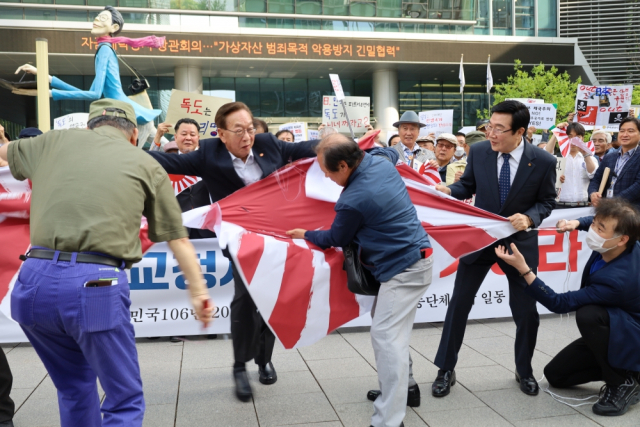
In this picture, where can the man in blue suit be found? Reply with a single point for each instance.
(607, 304)
(624, 166)
(240, 157)
(517, 180)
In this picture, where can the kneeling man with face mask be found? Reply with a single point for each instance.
(607, 307)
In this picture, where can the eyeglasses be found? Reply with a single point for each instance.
(240, 132)
(490, 129)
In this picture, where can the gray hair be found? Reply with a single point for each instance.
(119, 123)
(116, 18)
(606, 134)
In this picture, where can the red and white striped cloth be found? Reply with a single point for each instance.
(299, 288)
(565, 142)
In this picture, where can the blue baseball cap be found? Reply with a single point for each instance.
(29, 133)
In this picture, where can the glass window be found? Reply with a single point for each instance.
(72, 15)
(39, 1)
(335, 7)
(335, 25)
(99, 3)
(280, 23)
(252, 5)
(389, 8)
(40, 14)
(248, 91)
(412, 28)
(482, 17)
(12, 13)
(308, 24)
(525, 18)
(408, 96)
(317, 89)
(281, 6)
(387, 27)
(71, 2)
(547, 18)
(309, 7)
(502, 18)
(272, 97)
(296, 98)
(362, 8)
(218, 83)
(134, 3)
(194, 20)
(188, 4)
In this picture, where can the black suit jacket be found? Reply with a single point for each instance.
(194, 197)
(213, 163)
(532, 192)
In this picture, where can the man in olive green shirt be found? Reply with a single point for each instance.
(90, 189)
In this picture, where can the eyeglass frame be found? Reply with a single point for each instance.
(491, 129)
(250, 132)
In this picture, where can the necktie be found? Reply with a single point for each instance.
(504, 182)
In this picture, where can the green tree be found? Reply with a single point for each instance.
(635, 95)
(550, 85)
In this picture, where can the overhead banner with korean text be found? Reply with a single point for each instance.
(602, 107)
(358, 110)
(201, 108)
(160, 305)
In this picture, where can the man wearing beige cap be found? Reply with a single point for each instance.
(91, 187)
(446, 144)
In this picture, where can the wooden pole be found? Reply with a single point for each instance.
(605, 177)
(42, 64)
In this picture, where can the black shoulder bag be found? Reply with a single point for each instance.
(359, 279)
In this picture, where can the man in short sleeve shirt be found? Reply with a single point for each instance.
(90, 189)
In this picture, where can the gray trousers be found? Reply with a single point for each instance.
(395, 311)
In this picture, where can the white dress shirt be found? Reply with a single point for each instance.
(249, 171)
(576, 179)
(514, 161)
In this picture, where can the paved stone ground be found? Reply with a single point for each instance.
(325, 385)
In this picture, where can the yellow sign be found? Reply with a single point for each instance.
(201, 108)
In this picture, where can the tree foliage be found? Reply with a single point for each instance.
(635, 95)
(550, 85)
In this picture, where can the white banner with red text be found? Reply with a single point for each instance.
(160, 305)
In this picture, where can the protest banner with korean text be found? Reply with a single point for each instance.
(436, 121)
(298, 129)
(201, 108)
(358, 109)
(602, 107)
(160, 304)
(542, 116)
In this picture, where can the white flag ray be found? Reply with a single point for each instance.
(489, 76)
(461, 76)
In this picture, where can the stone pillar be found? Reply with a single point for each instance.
(385, 100)
(188, 78)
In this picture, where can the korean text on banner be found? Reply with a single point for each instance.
(71, 121)
(560, 166)
(436, 121)
(337, 86)
(298, 129)
(358, 109)
(201, 108)
(543, 116)
(602, 107)
(526, 100)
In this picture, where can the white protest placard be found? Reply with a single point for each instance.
(560, 165)
(542, 116)
(298, 129)
(526, 100)
(358, 109)
(337, 86)
(436, 121)
(602, 107)
(71, 121)
(313, 134)
(201, 108)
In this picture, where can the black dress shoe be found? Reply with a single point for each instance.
(267, 374)
(8, 423)
(528, 385)
(243, 388)
(413, 397)
(442, 385)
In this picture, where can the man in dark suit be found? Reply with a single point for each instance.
(607, 307)
(226, 164)
(517, 180)
(624, 166)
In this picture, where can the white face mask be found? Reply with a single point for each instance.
(595, 241)
(459, 152)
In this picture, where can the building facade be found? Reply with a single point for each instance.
(277, 54)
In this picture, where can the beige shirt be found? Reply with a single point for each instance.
(90, 191)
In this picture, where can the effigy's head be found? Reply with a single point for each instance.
(109, 22)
